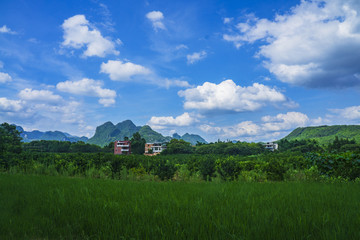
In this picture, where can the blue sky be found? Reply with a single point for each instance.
(240, 70)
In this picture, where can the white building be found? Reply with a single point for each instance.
(271, 146)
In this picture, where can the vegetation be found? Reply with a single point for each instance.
(326, 134)
(52, 189)
(227, 161)
(108, 132)
(43, 207)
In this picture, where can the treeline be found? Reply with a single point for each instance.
(65, 147)
(277, 166)
(226, 161)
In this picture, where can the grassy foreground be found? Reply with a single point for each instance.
(45, 207)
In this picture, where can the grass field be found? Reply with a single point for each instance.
(45, 207)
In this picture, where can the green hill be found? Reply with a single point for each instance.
(152, 136)
(108, 132)
(326, 134)
(193, 138)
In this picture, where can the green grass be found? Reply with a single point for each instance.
(44, 207)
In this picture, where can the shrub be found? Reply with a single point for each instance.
(207, 168)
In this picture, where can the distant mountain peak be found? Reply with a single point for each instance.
(37, 135)
(176, 136)
(107, 133)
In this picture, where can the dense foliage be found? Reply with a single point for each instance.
(227, 161)
(10, 141)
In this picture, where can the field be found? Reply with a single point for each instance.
(48, 207)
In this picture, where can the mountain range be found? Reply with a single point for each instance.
(326, 134)
(108, 132)
(49, 135)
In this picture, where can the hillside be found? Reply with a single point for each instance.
(108, 132)
(326, 134)
(193, 138)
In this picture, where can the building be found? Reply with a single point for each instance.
(271, 146)
(122, 147)
(152, 149)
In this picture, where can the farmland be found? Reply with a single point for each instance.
(49, 207)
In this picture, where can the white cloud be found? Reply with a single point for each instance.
(7, 105)
(286, 121)
(228, 20)
(227, 96)
(181, 46)
(156, 18)
(4, 77)
(180, 121)
(39, 96)
(195, 57)
(5, 29)
(123, 71)
(271, 126)
(107, 101)
(176, 83)
(350, 113)
(79, 33)
(88, 87)
(39, 109)
(312, 45)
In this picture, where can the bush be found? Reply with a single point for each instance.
(228, 168)
(207, 168)
(164, 169)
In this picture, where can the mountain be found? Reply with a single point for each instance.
(49, 135)
(193, 138)
(176, 136)
(108, 132)
(152, 136)
(326, 134)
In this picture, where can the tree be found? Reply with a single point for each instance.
(137, 144)
(10, 140)
(176, 146)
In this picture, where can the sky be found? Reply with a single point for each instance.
(250, 70)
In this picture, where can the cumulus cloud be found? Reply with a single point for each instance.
(195, 57)
(350, 113)
(34, 110)
(5, 29)
(286, 121)
(79, 33)
(227, 96)
(39, 95)
(270, 127)
(312, 45)
(89, 87)
(180, 121)
(123, 71)
(7, 105)
(4, 77)
(156, 18)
